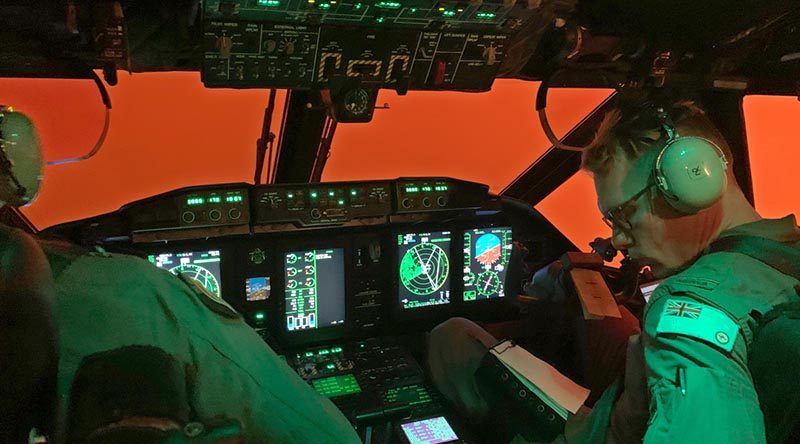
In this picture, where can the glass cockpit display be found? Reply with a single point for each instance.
(257, 288)
(314, 288)
(486, 256)
(200, 266)
(424, 269)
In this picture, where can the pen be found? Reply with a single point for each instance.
(682, 380)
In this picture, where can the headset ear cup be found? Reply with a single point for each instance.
(691, 174)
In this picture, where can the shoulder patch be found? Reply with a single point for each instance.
(699, 321)
(209, 299)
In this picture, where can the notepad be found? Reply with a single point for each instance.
(560, 393)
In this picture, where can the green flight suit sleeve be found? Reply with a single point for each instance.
(700, 387)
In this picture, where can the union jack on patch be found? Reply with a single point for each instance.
(683, 309)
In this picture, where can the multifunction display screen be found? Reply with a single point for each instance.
(486, 256)
(429, 431)
(424, 269)
(314, 289)
(200, 266)
(257, 288)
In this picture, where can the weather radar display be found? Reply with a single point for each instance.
(486, 256)
(424, 269)
(200, 266)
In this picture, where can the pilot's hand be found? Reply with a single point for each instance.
(547, 284)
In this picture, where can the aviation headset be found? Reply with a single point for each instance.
(20, 158)
(690, 172)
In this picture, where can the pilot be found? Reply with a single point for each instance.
(664, 180)
(28, 353)
(111, 308)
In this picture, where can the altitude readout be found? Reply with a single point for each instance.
(486, 256)
(424, 269)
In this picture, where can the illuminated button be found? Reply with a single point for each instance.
(188, 217)
(214, 215)
(331, 193)
(314, 194)
(234, 213)
(309, 354)
(260, 315)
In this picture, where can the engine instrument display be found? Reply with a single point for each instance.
(486, 256)
(424, 269)
(314, 288)
(200, 266)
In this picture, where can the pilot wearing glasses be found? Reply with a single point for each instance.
(665, 186)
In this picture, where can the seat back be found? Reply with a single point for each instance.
(775, 366)
(28, 342)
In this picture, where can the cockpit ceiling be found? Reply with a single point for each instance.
(411, 44)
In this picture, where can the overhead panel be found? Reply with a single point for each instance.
(318, 44)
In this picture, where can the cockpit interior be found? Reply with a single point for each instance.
(344, 279)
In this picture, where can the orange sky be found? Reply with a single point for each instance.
(167, 131)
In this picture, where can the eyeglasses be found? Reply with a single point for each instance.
(618, 216)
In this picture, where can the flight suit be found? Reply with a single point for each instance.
(687, 378)
(108, 301)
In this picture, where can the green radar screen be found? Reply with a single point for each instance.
(424, 269)
(200, 266)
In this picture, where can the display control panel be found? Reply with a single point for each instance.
(235, 209)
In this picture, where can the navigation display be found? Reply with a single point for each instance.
(257, 288)
(314, 289)
(424, 269)
(486, 256)
(201, 266)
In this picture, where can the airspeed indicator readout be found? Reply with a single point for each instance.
(486, 256)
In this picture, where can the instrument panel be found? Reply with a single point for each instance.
(344, 279)
(348, 283)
